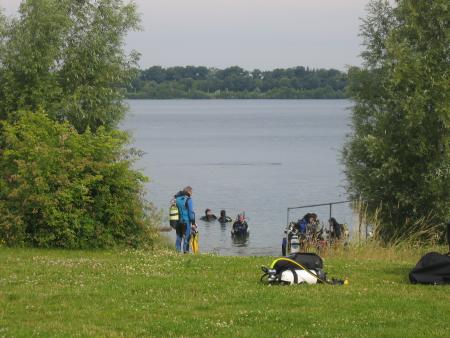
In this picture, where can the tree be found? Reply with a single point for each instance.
(66, 178)
(202, 82)
(398, 156)
(61, 188)
(155, 73)
(67, 57)
(3, 25)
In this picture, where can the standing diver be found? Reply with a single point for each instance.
(187, 218)
(303, 223)
(335, 228)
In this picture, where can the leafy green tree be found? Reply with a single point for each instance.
(67, 57)
(155, 73)
(66, 179)
(60, 188)
(398, 156)
(257, 74)
(3, 28)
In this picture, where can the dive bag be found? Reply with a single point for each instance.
(433, 268)
(297, 268)
(308, 260)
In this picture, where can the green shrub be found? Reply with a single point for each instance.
(59, 188)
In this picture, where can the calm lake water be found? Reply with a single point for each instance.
(257, 156)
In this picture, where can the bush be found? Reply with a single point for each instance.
(59, 188)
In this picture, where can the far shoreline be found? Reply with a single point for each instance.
(237, 99)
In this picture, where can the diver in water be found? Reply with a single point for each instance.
(223, 219)
(240, 226)
(209, 216)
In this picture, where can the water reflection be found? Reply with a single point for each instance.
(224, 226)
(240, 240)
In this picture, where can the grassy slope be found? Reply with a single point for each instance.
(68, 293)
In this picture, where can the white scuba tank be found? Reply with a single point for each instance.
(303, 276)
(295, 244)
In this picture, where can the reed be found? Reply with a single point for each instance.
(420, 233)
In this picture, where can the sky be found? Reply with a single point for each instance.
(263, 34)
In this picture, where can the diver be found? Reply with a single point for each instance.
(223, 219)
(240, 226)
(302, 223)
(187, 219)
(335, 228)
(209, 216)
(313, 226)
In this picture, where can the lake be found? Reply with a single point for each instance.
(257, 156)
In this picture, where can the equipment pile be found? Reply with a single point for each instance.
(298, 268)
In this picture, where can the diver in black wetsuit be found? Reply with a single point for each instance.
(240, 226)
(223, 219)
(336, 228)
(209, 216)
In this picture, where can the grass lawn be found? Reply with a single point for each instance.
(135, 293)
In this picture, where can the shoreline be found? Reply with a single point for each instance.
(235, 99)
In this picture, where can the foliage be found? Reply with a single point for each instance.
(3, 28)
(60, 188)
(234, 82)
(65, 178)
(147, 294)
(67, 58)
(398, 156)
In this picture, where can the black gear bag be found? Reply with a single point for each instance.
(433, 268)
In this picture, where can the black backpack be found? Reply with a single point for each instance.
(310, 261)
(433, 268)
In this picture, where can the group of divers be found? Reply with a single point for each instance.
(182, 219)
(307, 232)
(298, 234)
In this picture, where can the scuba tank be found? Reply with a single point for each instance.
(297, 276)
(295, 244)
(174, 215)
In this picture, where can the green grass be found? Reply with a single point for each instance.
(135, 293)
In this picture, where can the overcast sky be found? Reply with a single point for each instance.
(263, 34)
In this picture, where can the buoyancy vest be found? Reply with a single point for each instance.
(302, 226)
(174, 215)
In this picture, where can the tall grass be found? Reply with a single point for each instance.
(374, 251)
(422, 232)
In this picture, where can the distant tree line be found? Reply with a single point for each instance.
(193, 82)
